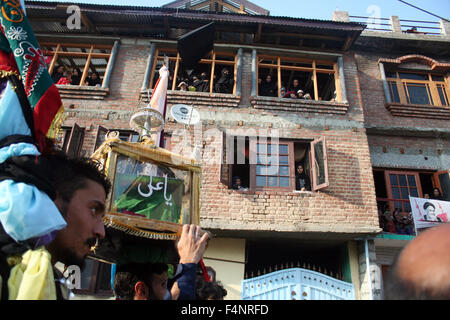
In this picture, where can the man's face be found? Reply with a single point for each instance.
(238, 182)
(295, 82)
(300, 169)
(159, 286)
(431, 213)
(83, 215)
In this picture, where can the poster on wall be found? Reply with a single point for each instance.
(429, 212)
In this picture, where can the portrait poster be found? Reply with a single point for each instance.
(429, 212)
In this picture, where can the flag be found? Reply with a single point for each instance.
(158, 101)
(22, 57)
(30, 110)
(429, 212)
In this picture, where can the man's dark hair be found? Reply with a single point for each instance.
(129, 274)
(209, 290)
(67, 175)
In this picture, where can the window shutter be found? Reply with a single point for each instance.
(319, 164)
(227, 157)
(101, 136)
(442, 181)
(75, 141)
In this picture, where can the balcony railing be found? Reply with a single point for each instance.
(395, 216)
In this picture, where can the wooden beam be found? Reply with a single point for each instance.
(86, 67)
(88, 23)
(258, 33)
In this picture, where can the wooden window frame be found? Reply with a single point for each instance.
(74, 144)
(430, 84)
(60, 52)
(279, 67)
(226, 179)
(159, 56)
(389, 186)
(94, 283)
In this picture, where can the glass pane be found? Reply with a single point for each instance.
(405, 193)
(418, 94)
(320, 163)
(273, 182)
(86, 274)
(391, 74)
(284, 159)
(272, 149)
(407, 206)
(395, 193)
(284, 171)
(413, 192)
(394, 91)
(411, 180)
(153, 191)
(393, 179)
(443, 96)
(261, 159)
(284, 149)
(284, 182)
(272, 170)
(437, 78)
(402, 180)
(413, 76)
(272, 160)
(261, 170)
(261, 148)
(260, 181)
(398, 205)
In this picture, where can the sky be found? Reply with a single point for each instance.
(323, 9)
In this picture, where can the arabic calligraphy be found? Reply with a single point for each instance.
(157, 187)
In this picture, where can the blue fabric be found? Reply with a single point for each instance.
(186, 281)
(26, 212)
(18, 149)
(12, 120)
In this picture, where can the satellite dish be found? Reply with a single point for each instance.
(185, 114)
(147, 119)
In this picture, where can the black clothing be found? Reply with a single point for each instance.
(268, 89)
(94, 82)
(225, 83)
(56, 76)
(75, 80)
(302, 181)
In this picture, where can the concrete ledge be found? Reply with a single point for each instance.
(197, 98)
(419, 111)
(299, 105)
(82, 92)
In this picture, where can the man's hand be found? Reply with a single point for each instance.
(192, 244)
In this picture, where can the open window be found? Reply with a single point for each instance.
(124, 135)
(73, 141)
(271, 164)
(208, 76)
(441, 180)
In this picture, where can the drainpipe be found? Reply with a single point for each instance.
(366, 245)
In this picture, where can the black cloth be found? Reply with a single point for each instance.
(75, 80)
(56, 76)
(94, 82)
(225, 83)
(302, 181)
(268, 89)
(30, 170)
(201, 85)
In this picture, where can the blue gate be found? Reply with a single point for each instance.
(296, 284)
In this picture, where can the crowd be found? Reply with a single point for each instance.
(201, 83)
(268, 88)
(63, 75)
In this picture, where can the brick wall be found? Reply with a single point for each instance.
(347, 205)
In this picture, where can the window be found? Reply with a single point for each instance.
(418, 88)
(124, 135)
(393, 188)
(71, 140)
(206, 77)
(84, 64)
(317, 78)
(270, 164)
(95, 279)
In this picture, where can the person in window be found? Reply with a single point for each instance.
(66, 78)
(307, 96)
(225, 82)
(183, 86)
(76, 77)
(202, 84)
(94, 80)
(283, 92)
(58, 73)
(237, 185)
(437, 195)
(268, 87)
(302, 181)
(292, 94)
(295, 85)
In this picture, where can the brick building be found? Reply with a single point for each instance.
(344, 135)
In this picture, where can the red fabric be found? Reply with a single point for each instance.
(204, 271)
(44, 113)
(7, 62)
(63, 80)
